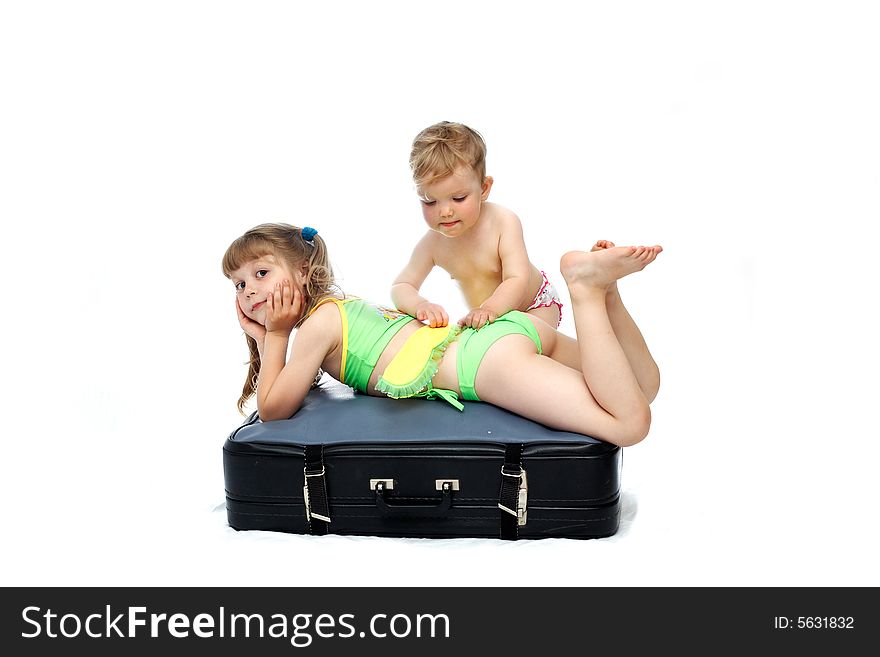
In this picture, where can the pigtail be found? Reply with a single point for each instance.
(320, 282)
(253, 374)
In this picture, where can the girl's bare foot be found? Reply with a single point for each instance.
(612, 293)
(601, 268)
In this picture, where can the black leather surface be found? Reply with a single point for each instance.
(573, 480)
(333, 414)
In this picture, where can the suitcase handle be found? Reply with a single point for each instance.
(420, 509)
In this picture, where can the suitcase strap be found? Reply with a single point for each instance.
(315, 496)
(513, 497)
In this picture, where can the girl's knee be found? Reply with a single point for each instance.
(634, 428)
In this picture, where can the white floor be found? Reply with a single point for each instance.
(140, 142)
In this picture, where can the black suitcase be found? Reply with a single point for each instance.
(354, 464)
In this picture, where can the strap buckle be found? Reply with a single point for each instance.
(309, 513)
(522, 497)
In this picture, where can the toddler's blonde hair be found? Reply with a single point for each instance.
(438, 150)
(286, 243)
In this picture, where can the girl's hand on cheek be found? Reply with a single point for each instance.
(254, 329)
(283, 308)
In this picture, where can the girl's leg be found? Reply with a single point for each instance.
(633, 344)
(549, 314)
(606, 401)
(514, 377)
(560, 347)
(630, 337)
(565, 348)
(604, 364)
(566, 351)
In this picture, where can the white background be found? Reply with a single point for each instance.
(138, 139)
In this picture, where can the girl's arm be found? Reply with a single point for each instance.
(282, 386)
(515, 270)
(405, 289)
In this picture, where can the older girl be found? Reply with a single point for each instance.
(283, 280)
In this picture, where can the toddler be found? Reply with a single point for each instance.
(479, 243)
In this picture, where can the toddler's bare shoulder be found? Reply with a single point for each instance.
(503, 217)
(429, 241)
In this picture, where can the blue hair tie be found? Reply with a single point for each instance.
(308, 234)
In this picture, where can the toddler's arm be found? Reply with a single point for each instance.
(515, 269)
(281, 386)
(405, 289)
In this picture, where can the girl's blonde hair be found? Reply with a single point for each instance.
(287, 244)
(438, 150)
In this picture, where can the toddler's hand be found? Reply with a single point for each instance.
(478, 318)
(254, 329)
(283, 308)
(431, 313)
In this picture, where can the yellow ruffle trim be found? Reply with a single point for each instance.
(412, 369)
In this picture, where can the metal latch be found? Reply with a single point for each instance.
(522, 497)
(309, 513)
